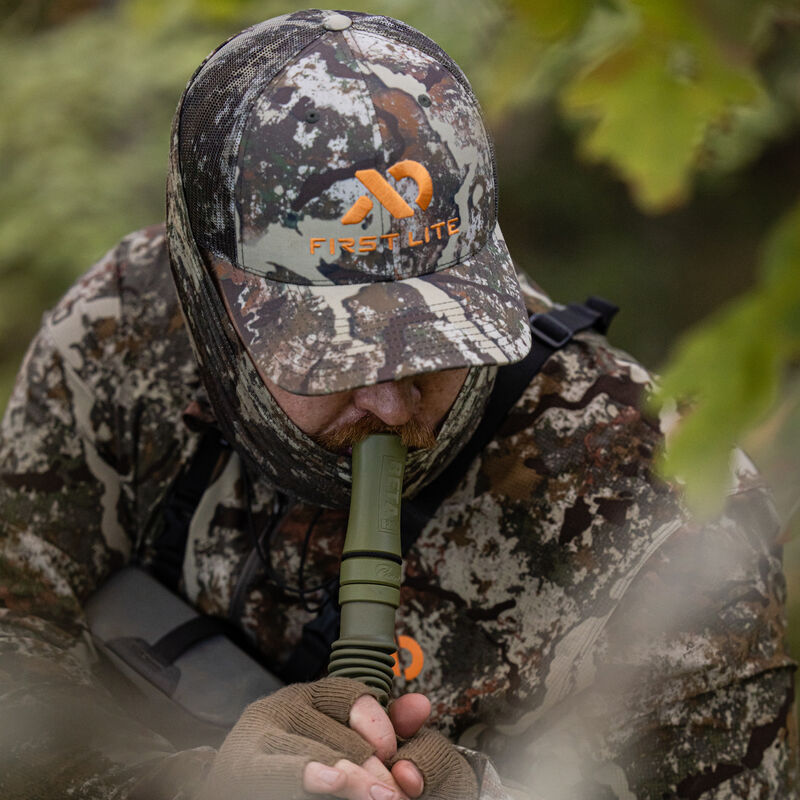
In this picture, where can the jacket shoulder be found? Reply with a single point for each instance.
(123, 311)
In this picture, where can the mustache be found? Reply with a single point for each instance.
(414, 434)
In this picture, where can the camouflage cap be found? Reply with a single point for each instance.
(337, 171)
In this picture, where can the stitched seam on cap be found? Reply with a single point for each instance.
(351, 44)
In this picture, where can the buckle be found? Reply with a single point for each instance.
(606, 311)
(549, 330)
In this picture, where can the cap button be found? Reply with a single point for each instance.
(336, 22)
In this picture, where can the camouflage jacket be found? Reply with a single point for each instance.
(577, 626)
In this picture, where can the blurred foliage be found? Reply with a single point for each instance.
(647, 150)
(734, 365)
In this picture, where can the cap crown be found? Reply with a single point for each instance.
(324, 157)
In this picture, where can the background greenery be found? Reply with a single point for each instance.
(648, 152)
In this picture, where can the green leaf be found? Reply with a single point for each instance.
(781, 276)
(731, 367)
(651, 103)
(525, 67)
(552, 19)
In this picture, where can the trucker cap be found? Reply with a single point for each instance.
(341, 185)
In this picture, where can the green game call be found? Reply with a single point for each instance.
(369, 582)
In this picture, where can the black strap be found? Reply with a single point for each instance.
(550, 332)
(172, 645)
(310, 657)
(156, 662)
(179, 507)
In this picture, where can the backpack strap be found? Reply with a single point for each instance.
(550, 331)
(180, 504)
(310, 657)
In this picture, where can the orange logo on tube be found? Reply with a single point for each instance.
(417, 658)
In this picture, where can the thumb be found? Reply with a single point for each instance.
(409, 713)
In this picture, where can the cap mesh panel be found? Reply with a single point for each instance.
(213, 115)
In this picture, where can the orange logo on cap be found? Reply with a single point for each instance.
(417, 658)
(387, 196)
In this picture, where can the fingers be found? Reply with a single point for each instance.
(294, 720)
(286, 743)
(368, 719)
(408, 778)
(348, 781)
(409, 713)
(380, 771)
(406, 716)
(447, 775)
(334, 697)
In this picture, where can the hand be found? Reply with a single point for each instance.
(407, 714)
(427, 761)
(445, 773)
(296, 743)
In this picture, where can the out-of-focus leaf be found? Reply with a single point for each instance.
(746, 131)
(740, 26)
(749, 129)
(731, 367)
(550, 19)
(732, 376)
(526, 68)
(774, 445)
(76, 178)
(514, 71)
(781, 276)
(653, 101)
(154, 14)
(83, 144)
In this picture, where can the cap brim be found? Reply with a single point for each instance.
(314, 340)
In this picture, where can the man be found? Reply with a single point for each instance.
(333, 242)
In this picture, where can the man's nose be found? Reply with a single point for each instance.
(393, 402)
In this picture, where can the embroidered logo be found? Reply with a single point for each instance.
(391, 200)
(386, 195)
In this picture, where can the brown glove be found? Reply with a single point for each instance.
(446, 773)
(267, 750)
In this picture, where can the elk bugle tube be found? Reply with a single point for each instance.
(369, 582)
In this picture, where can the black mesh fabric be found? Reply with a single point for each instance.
(400, 32)
(214, 111)
(220, 95)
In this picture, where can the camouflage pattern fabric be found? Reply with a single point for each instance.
(291, 209)
(247, 412)
(354, 171)
(575, 624)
